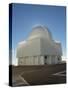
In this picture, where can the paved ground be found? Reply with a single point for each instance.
(39, 75)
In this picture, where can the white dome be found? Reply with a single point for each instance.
(39, 43)
(40, 32)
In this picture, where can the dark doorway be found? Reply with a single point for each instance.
(45, 59)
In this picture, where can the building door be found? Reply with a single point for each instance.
(45, 59)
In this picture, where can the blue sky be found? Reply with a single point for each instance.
(25, 16)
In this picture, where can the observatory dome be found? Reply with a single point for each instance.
(40, 32)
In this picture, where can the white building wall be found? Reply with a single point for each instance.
(38, 60)
(53, 59)
(35, 60)
(32, 60)
(41, 60)
(56, 60)
(22, 60)
(29, 61)
(49, 60)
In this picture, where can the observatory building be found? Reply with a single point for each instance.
(39, 48)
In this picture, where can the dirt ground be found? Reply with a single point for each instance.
(38, 75)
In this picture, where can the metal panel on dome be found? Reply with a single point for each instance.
(40, 32)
